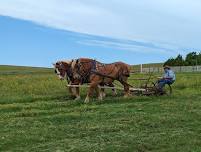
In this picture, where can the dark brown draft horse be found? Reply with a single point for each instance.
(63, 69)
(98, 73)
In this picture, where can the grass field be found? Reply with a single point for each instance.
(36, 114)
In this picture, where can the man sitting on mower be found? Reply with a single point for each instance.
(168, 78)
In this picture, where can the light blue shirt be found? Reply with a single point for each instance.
(169, 74)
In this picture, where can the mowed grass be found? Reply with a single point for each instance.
(37, 114)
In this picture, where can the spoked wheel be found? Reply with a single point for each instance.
(167, 89)
(150, 89)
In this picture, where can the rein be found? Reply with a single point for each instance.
(69, 75)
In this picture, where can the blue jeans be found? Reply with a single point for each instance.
(163, 82)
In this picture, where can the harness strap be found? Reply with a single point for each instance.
(84, 75)
(93, 65)
(69, 73)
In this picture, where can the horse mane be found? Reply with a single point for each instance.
(73, 63)
(67, 61)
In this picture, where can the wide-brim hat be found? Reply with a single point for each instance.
(166, 67)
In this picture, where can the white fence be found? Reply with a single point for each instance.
(176, 69)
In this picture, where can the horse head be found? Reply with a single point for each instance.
(75, 66)
(63, 69)
(81, 68)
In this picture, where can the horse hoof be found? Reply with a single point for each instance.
(114, 94)
(103, 94)
(100, 98)
(77, 98)
(86, 101)
(127, 96)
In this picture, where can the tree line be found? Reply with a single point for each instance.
(191, 59)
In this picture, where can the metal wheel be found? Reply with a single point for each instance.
(150, 89)
(167, 89)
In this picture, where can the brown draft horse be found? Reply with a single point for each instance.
(63, 69)
(98, 73)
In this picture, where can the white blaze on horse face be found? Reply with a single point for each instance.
(57, 71)
(59, 74)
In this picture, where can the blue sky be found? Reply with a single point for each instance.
(38, 33)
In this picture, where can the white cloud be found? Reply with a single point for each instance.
(175, 21)
(140, 47)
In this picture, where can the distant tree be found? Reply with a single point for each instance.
(199, 59)
(169, 62)
(191, 58)
(179, 60)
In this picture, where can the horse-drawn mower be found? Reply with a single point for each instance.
(89, 73)
(148, 87)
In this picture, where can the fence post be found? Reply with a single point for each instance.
(140, 68)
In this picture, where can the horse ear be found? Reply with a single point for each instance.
(73, 64)
(70, 63)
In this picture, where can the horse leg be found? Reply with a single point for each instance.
(114, 92)
(126, 87)
(93, 86)
(102, 91)
(99, 93)
(70, 90)
(74, 93)
(126, 91)
(90, 92)
(77, 93)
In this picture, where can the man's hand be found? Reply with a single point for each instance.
(160, 77)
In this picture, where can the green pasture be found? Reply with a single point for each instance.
(37, 114)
